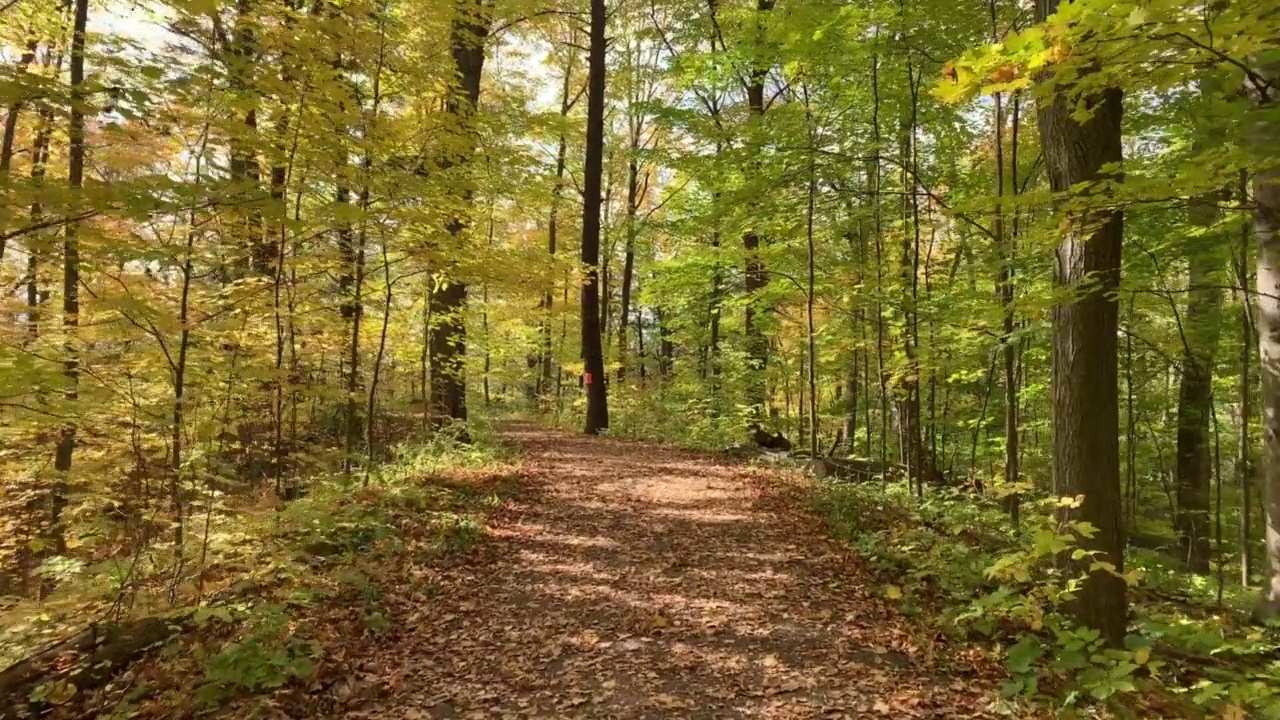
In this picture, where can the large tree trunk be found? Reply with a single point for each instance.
(1085, 393)
(1200, 329)
(1266, 229)
(448, 399)
(592, 351)
(756, 277)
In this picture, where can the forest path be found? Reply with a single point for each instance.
(633, 580)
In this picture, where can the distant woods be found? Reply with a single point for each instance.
(1026, 254)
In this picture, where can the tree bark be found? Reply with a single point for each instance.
(1006, 246)
(71, 274)
(756, 277)
(1266, 230)
(39, 164)
(566, 104)
(921, 467)
(244, 169)
(597, 419)
(1200, 327)
(1085, 365)
(1244, 464)
(629, 252)
(11, 125)
(448, 399)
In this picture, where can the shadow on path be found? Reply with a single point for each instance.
(639, 581)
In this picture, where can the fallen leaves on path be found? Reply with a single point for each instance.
(637, 581)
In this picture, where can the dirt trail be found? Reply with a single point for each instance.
(638, 581)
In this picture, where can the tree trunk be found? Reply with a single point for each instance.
(1007, 292)
(39, 164)
(179, 401)
(918, 458)
(353, 341)
(1085, 392)
(629, 253)
(811, 331)
(566, 104)
(71, 274)
(243, 166)
(1200, 329)
(11, 125)
(1266, 230)
(370, 132)
(597, 419)
(448, 399)
(756, 277)
(1244, 465)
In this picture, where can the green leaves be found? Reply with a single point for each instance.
(1022, 655)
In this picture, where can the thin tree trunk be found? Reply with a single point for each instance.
(1012, 452)
(377, 361)
(920, 467)
(71, 274)
(1005, 292)
(811, 267)
(179, 402)
(629, 253)
(1244, 469)
(566, 104)
(11, 125)
(873, 191)
(371, 132)
(39, 164)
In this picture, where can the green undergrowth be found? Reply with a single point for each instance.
(268, 591)
(704, 424)
(955, 562)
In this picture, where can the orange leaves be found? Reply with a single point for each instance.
(622, 590)
(1005, 74)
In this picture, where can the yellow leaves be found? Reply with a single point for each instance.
(1110, 569)
(1142, 656)
(893, 592)
(1071, 502)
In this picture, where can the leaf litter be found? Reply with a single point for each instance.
(630, 580)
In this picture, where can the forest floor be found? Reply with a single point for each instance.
(631, 580)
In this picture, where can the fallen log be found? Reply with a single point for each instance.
(853, 469)
(771, 441)
(83, 662)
